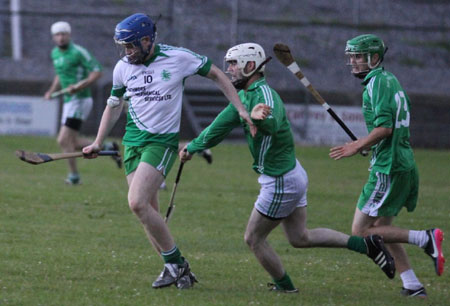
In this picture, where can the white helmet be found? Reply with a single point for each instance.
(243, 53)
(60, 27)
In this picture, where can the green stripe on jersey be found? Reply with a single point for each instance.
(118, 92)
(136, 137)
(277, 197)
(385, 104)
(203, 68)
(272, 148)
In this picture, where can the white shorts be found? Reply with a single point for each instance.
(77, 109)
(280, 196)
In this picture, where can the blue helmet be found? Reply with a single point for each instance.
(133, 28)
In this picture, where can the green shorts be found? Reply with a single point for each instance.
(385, 195)
(161, 157)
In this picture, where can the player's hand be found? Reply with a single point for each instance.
(260, 111)
(48, 95)
(244, 115)
(184, 155)
(347, 150)
(91, 151)
(71, 89)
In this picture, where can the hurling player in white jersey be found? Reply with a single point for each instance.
(152, 77)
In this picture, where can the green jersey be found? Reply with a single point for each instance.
(73, 65)
(385, 104)
(273, 146)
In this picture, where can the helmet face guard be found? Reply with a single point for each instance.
(129, 33)
(366, 45)
(133, 52)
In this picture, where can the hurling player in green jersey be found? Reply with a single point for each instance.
(393, 181)
(76, 70)
(282, 198)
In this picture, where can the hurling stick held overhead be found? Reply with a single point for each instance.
(283, 54)
(40, 158)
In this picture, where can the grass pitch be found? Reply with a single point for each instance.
(81, 245)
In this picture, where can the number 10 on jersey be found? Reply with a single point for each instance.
(148, 79)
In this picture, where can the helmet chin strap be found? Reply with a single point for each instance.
(64, 47)
(361, 75)
(143, 55)
(242, 82)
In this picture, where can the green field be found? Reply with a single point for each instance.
(81, 245)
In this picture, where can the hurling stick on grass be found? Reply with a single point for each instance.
(40, 158)
(283, 54)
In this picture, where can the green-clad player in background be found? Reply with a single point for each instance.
(76, 69)
(393, 180)
(282, 198)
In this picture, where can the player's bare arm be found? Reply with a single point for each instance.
(229, 91)
(53, 87)
(110, 116)
(260, 111)
(352, 148)
(92, 77)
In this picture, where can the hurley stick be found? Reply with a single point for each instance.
(283, 54)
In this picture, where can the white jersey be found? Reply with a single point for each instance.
(155, 92)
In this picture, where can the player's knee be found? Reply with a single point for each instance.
(64, 142)
(300, 240)
(136, 206)
(248, 239)
(358, 231)
(60, 140)
(251, 240)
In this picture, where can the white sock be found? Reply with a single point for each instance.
(419, 238)
(410, 280)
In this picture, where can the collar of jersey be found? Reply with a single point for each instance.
(157, 52)
(257, 83)
(372, 74)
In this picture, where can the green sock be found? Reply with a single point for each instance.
(357, 244)
(172, 256)
(284, 283)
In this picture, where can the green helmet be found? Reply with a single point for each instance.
(366, 43)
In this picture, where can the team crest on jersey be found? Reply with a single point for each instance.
(165, 75)
(133, 77)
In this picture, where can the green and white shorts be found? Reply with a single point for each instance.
(279, 196)
(76, 109)
(385, 195)
(158, 155)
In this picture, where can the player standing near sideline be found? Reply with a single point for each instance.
(76, 69)
(282, 198)
(393, 180)
(152, 77)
